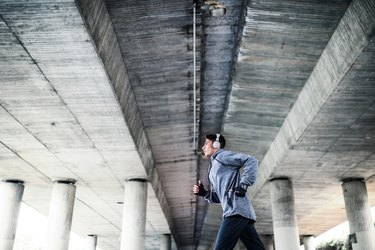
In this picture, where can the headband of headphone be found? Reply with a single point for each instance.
(216, 143)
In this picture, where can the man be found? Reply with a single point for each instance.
(228, 187)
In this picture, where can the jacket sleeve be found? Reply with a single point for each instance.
(250, 169)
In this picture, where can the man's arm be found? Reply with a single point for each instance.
(249, 175)
(199, 189)
(250, 171)
(209, 196)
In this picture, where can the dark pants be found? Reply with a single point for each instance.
(236, 227)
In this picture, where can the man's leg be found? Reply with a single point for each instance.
(229, 232)
(250, 238)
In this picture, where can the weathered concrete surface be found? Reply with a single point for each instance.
(106, 88)
(279, 59)
(60, 118)
(156, 44)
(323, 138)
(101, 29)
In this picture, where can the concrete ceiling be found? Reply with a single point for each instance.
(101, 91)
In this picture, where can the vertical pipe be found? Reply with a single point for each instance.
(194, 78)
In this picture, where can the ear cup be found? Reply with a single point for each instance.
(216, 143)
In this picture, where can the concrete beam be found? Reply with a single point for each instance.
(347, 42)
(99, 25)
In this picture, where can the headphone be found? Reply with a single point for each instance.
(216, 143)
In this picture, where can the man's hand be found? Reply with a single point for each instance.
(240, 191)
(199, 189)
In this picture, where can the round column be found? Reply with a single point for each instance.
(309, 242)
(134, 215)
(267, 241)
(237, 246)
(60, 215)
(165, 242)
(90, 242)
(11, 192)
(283, 215)
(361, 225)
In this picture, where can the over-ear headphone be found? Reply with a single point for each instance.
(216, 143)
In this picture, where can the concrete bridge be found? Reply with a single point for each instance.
(103, 111)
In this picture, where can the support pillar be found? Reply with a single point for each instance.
(134, 215)
(283, 215)
(267, 241)
(309, 242)
(165, 242)
(361, 225)
(237, 246)
(60, 215)
(11, 192)
(90, 242)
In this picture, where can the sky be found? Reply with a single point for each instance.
(339, 232)
(31, 231)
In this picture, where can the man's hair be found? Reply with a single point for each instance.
(212, 137)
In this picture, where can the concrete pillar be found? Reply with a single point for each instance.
(90, 242)
(60, 215)
(309, 242)
(11, 192)
(165, 242)
(237, 246)
(361, 225)
(284, 218)
(267, 241)
(134, 215)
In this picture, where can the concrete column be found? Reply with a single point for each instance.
(134, 215)
(90, 242)
(284, 219)
(267, 241)
(309, 242)
(11, 192)
(361, 225)
(237, 246)
(165, 242)
(60, 215)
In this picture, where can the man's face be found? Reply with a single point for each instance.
(208, 149)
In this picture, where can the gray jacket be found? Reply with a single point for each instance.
(224, 175)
